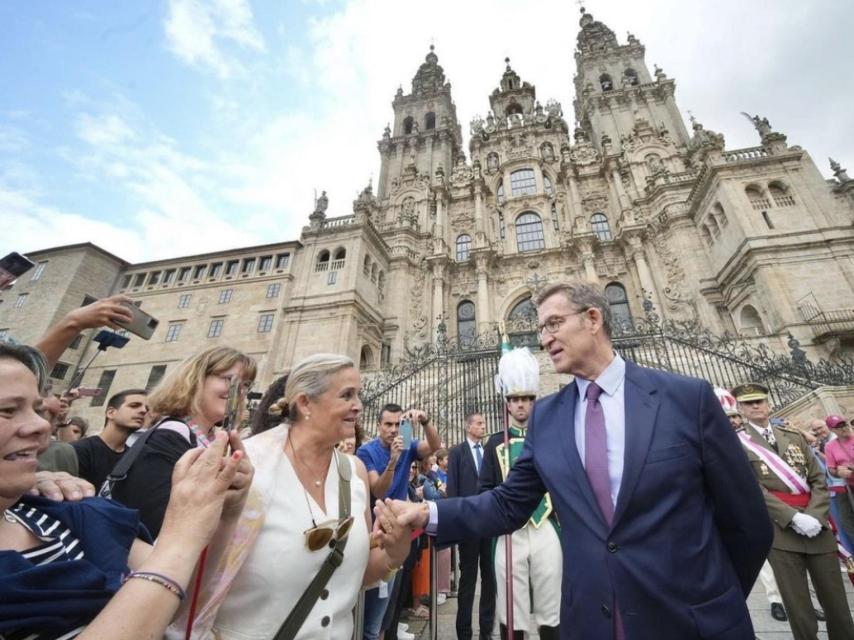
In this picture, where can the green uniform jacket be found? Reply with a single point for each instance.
(793, 448)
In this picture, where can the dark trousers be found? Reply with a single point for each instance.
(791, 569)
(473, 553)
(845, 505)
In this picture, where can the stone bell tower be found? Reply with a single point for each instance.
(614, 89)
(425, 134)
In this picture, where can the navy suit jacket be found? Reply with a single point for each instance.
(690, 530)
(462, 472)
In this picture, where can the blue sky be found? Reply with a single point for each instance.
(158, 129)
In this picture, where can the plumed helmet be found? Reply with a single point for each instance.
(518, 374)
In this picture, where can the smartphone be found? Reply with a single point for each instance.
(88, 392)
(232, 405)
(142, 324)
(12, 266)
(406, 433)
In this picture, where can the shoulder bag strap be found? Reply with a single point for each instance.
(122, 468)
(292, 624)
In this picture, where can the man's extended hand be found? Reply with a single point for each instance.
(59, 486)
(417, 415)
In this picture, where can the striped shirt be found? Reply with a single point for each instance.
(57, 544)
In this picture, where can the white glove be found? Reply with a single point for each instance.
(806, 525)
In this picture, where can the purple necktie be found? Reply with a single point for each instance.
(596, 465)
(596, 452)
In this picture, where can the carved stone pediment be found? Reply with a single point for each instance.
(595, 202)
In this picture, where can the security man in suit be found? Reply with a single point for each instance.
(537, 557)
(464, 463)
(799, 504)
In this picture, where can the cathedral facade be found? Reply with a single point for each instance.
(752, 242)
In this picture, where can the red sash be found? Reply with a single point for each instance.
(799, 500)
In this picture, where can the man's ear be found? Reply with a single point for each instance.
(111, 413)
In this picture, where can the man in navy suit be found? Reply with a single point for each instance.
(464, 463)
(663, 525)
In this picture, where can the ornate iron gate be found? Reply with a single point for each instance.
(452, 378)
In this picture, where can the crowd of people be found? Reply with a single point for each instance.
(623, 506)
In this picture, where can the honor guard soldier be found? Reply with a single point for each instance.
(536, 552)
(798, 502)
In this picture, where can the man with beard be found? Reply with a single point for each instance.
(98, 454)
(536, 552)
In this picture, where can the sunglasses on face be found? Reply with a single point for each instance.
(322, 534)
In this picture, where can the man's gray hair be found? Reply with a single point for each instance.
(583, 295)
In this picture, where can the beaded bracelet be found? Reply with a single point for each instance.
(167, 583)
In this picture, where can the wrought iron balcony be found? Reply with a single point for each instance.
(828, 324)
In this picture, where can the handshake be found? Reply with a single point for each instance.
(806, 525)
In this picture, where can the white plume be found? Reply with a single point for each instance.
(518, 374)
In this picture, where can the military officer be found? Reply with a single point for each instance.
(799, 504)
(537, 557)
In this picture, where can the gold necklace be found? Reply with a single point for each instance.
(317, 483)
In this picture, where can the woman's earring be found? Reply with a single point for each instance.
(307, 416)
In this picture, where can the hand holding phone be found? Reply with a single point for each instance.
(406, 433)
(12, 266)
(232, 405)
(142, 324)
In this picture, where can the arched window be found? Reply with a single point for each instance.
(619, 303)
(631, 77)
(599, 223)
(713, 226)
(322, 261)
(605, 82)
(340, 253)
(381, 281)
(430, 121)
(339, 258)
(529, 232)
(374, 272)
(750, 324)
(407, 125)
(499, 193)
(653, 163)
(757, 200)
(513, 108)
(463, 247)
(523, 183)
(547, 185)
(522, 325)
(367, 267)
(366, 358)
(466, 324)
(780, 195)
(707, 235)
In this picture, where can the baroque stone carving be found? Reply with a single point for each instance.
(679, 305)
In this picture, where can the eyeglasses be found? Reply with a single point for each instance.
(246, 385)
(322, 534)
(556, 322)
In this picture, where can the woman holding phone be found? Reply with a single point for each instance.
(189, 402)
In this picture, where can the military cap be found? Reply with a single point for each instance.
(750, 391)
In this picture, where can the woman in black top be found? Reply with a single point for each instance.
(189, 402)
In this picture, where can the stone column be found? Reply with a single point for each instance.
(636, 252)
(621, 192)
(438, 269)
(484, 316)
(588, 260)
(479, 232)
(574, 201)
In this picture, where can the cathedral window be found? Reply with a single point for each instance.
(605, 82)
(600, 226)
(407, 125)
(631, 77)
(322, 261)
(780, 195)
(466, 324)
(381, 281)
(366, 269)
(522, 325)
(338, 259)
(750, 323)
(514, 108)
(707, 235)
(720, 215)
(523, 183)
(430, 121)
(757, 199)
(366, 358)
(547, 185)
(499, 193)
(374, 270)
(621, 315)
(463, 247)
(529, 232)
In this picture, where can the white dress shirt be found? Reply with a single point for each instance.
(612, 382)
(473, 454)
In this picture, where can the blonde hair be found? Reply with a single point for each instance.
(179, 392)
(311, 377)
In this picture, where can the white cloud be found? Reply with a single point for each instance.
(198, 30)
